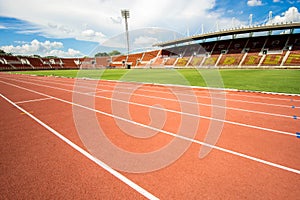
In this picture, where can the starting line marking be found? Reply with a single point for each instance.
(118, 175)
(156, 129)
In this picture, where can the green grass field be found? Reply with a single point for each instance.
(287, 81)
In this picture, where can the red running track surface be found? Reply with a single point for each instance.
(255, 156)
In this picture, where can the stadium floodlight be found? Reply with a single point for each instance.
(270, 17)
(125, 15)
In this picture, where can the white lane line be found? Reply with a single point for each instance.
(286, 95)
(33, 100)
(121, 177)
(128, 83)
(203, 104)
(179, 87)
(264, 97)
(174, 100)
(167, 132)
(205, 97)
(173, 111)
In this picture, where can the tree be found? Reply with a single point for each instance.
(101, 54)
(114, 53)
(2, 52)
(104, 54)
(51, 57)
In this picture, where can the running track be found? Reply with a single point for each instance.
(42, 154)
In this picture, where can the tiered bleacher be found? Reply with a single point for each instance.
(9, 63)
(70, 63)
(272, 51)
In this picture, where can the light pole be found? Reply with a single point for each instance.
(125, 15)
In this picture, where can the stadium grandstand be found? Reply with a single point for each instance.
(265, 46)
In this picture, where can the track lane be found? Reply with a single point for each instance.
(262, 136)
(183, 176)
(150, 87)
(274, 109)
(278, 125)
(37, 165)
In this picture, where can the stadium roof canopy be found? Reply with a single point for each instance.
(234, 31)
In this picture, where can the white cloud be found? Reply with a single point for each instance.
(91, 35)
(2, 27)
(69, 53)
(254, 3)
(276, 1)
(20, 42)
(95, 20)
(145, 41)
(291, 15)
(41, 48)
(142, 38)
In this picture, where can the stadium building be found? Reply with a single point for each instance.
(264, 46)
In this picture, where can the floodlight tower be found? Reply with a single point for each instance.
(125, 15)
(270, 17)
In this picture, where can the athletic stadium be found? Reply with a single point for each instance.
(214, 115)
(271, 51)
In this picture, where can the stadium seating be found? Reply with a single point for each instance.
(293, 59)
(208, 47)
(36, 63)
(294, 42)
(230, 60)
(237, 46)
(4, 65)
(276, 43)
(210, 61)
(221, 47)
(174, 51)
(182, 62)
(272, 60)
(148, 57)
(53, 63)
(281, 50)
(16, 63)
(255, 44)
(196, 61)
(158, 62)
(88, 63)
(69, 63)
(252, 59)
(134, 59)
(193, 49)
(118, 61)
(170, 61)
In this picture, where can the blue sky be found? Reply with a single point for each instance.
(77, 28)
